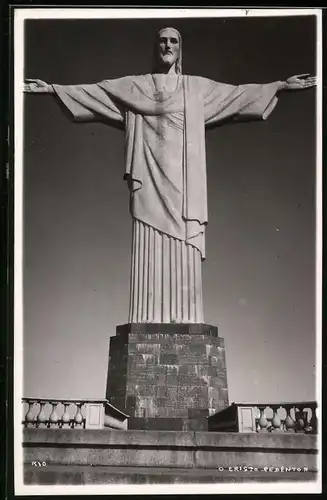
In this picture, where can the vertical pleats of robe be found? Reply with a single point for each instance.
(166, 281)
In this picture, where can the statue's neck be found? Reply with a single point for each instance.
(167, 70)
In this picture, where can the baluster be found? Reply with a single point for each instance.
(300, 419)
(65, 419)
(269, 419)
(41, 418)
(263, 422)
(53, 419)
(78, 419)
(282, 411)
(289, 422)
(257, 418)
(275, 421)
(29, 417)
(282, 418)
(314, 420)
(307, 424)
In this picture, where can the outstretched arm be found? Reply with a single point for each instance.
(85, 102)
(224, 102)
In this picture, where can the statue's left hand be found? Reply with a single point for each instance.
(300, 82)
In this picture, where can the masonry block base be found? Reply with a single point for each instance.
(167, 376)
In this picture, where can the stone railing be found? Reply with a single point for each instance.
(72, 414)
(287, 417)
(266, 417)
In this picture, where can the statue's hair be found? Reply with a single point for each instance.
(156, 54)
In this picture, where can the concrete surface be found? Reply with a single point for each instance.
(87, 475)
(168, 450)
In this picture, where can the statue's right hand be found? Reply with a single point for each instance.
(36, 86)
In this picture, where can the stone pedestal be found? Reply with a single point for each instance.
(167, 376)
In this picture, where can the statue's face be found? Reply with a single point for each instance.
(168, 47)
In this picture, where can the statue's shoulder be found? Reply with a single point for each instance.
(207, 85)
(123, 80)
(126, 83)
(198, 83)
(143, 80)
(204, 81)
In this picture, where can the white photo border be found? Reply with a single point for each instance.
(20, 15)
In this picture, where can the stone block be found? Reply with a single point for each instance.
(168, 359)
(170, 347)
(171, 393)
(172, 370)
(197, 413)
(171, 379)
(198, 349)
(184, 368)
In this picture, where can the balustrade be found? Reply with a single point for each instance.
(287, 417)
(264, 417)
(57, 413)
(54, 413)
(81, 414)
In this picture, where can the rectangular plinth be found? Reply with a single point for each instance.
(161, 372)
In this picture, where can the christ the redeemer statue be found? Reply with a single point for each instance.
(164, 114)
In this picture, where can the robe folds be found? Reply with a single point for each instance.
(165, 168)
(165, 163)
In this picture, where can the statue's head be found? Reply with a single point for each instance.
(168, 50)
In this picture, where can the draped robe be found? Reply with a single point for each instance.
(166, 173)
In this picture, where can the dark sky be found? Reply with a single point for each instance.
(259, 275)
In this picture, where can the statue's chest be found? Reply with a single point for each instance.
(165, 83)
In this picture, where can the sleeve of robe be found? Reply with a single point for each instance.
(224, 102)
(87, 103)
